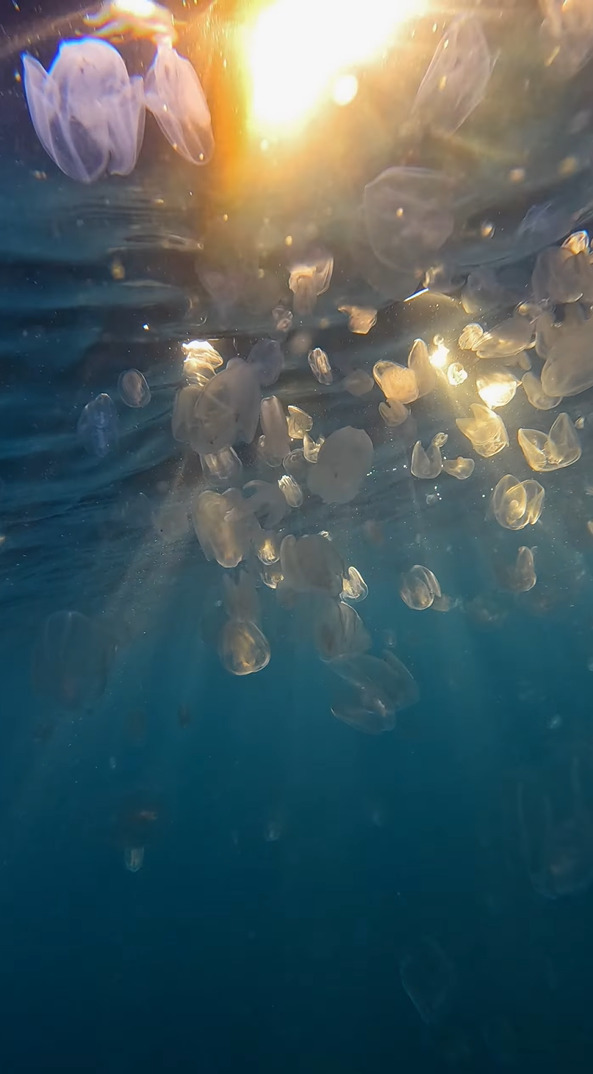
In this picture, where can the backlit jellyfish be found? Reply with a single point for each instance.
(561, 275)
(360, 318)
(342, 464)
(133, 18)
(201, 360)
(71, 660)
(319, 366)
(555, 820)
(559, 448)
(267, 548)
(419, 587)
(506, 339)
(429, 979)
(397, 382)
(267, 359)
(536, 394)
(485, 430)
(298, 422)
(311, 447)
(358, 383)
(274, 427)
(457, 76)
(263, 501)
(516, 504)
(520, 576)
(497, 388)
(355, 587)
(429, 463)
(133, 389)
(311, 564)
(225, 540)
(133, 858)
(183, 412)
(338, 630)
(456, 374)
(291, 490)
(393, 413)
(86, 110)
(243, 648)
(408, 215)
(420, 365)
(460, 468)
(566, 348)
(98, 426)
(174, 95)
(381, 688)
(308, 279)
(226, 412)
(222, 467)
(470, 337)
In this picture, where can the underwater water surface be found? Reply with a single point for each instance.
(296, 537)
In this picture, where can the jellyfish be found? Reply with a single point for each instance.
(221, 538)
(298, 422)
(243, 648)
(358, 383)
(174, 95)
(240, 597)
(536, 394)
(263, 501)
(560, 275)
(71, 660)
(397, 382)
(355, 587)
(506, 339)
(98, 426)
(470, 337)
(319, 366)
(559, 448)
(342, 464)
(485, 430)
(308, 279)
(497, 388)
(226, 412)
(222, 467)
(420, 365)
(516, 504)
(419, 587)
(133, 389)
(274, 427)
(429, 979)
(393, 413)
(360, 318)
(408, 215)
(200, 362)
(380, 689)
(86, 110)
(291, 490)
(311, 564)
(338, 630)
(133, 18)
(460, 468)
(566, 350)
(457, 76)
(267, 359)
(429, 463)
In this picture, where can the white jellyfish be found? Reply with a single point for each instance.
(175, 97)
(457, 76)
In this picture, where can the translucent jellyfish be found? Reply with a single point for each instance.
(174, 95)
(497, 388)
(319, 366)
(221, 538)
(296, 464)
(311, 564)
(506, 339)
(291, 490)
(133, 858)
(183, 411)
(170, 520)
(267, 358)
(355, 587)
(308, 279)
(267, 548)
(243, 648)
(560, 275)
(273, 423)
(200, 362)
(457, 76)
(485, 430)
(71, 660)
(358, 383)
(271, 575)
(132, 18)
(482, 292)
(408, 215)
(471, 336)
(393, 413)
(460, 468)
(226, 412)
(520, 577)
(311, 447)
(419, 587)
(263, 501)
(338, 630)
(566, 348)
(536, 394)
(428, 463)
(282, 319)
(98, 426)
(299, 422)
(397, 382)
(240, 597)
(87, 112)
(342, 464)
(420, 365)
(383, 687)
(429, 979)
(360, 318)
(133, 389)
(456, 374)
(558, 449)
(516, 504)
(222, 467)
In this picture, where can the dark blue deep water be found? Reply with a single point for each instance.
(207, 873)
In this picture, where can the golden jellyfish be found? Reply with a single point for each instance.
(201, 361)
(460, 468)
(355, 587)
(311, 564)
(222, 467)
(506, 339)
(291, 490)
(360, 318)
(516, 504)
(342, 464)
(485, 430)
(338, 630)
(419, 587)
(308, 279)
(319, 366)
(243, 648)
(429, 463)
(267, 548)
(497, 388)
(470, 337)
(536, 394)
(221, 538)
(456, 374)
(420, 365)
(358, 383)
(298, 422)
(393, 413)
(311, 447)
(397, 382)
(520, 577)
(559, 448)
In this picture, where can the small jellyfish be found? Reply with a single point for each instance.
(319, 366)
(429, 463)
(133, 389)
(267, 548)
(358, 383)
(221, 538)
(520, 577)
(282, 319)
(342, 464)
(222, 467)
(243, 648)
(133, 858)
(183, 412)
(506, 339)
(174, 95)
(397, 382)
(497, 388)
(560, 275)
(355, 587)
(456, 374)
(338, 630)
(381, 688)
(536, 394)
(516, 504)
(421, 366)
(299, 422)
(311, 447)
(457, 76)
(267, 359)
(393, 413)
(296, 464)
(469, 339)
(201, 361)
(360, 319)
(308, 279)
(262, 501)
(274, 427)
(419, 587)
(559, 448)
(429, 979)
(485, 430)
(408, 215)
(291, 490)
(460, 468)
(71, 660)
(98, 426)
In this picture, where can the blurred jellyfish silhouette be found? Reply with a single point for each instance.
(71, 660)
(429, 979)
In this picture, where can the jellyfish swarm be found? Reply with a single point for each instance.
(86, 110)
(71, 660)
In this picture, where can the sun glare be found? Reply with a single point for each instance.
(299, 50)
